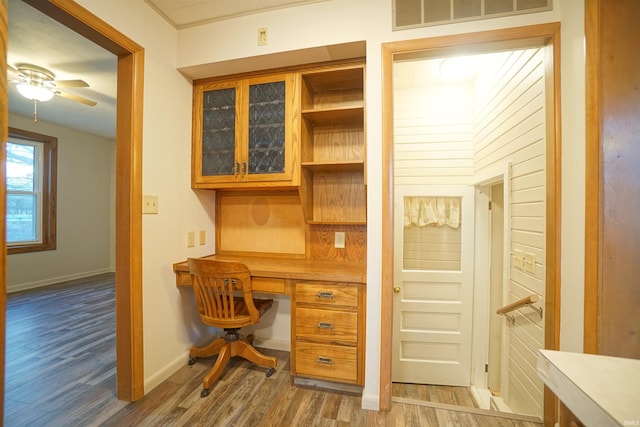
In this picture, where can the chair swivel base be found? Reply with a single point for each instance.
(227, 347)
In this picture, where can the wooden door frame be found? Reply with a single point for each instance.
(511, 38)
(128, 211)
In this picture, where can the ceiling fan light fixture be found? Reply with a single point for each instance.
(35, 92)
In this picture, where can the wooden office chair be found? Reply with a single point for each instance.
(214, 283)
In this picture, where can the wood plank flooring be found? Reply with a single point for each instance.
(60, 371)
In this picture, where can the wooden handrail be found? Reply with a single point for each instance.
(517, 304)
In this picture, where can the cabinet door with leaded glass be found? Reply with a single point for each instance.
(270, 122)
(243, 132)
(216, 121)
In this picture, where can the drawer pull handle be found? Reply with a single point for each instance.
(324, 361)
(325, 295)
(325, 325)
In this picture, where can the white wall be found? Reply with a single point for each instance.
(170, 322)
(167, 135)
(84, 208)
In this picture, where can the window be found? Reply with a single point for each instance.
(31, 191)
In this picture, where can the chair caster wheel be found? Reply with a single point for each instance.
(205, 392)
(192, 361)
(270, 372)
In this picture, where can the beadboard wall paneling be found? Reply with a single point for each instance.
(433, 135)
(510, 127)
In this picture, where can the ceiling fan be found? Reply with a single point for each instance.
(39, 85)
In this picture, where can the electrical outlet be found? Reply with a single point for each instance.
(339, 239)
(149, 204)
(203, 237)
(190, 239)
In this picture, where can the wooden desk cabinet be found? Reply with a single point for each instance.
(327, 331)
(244, 131)
(328, 303)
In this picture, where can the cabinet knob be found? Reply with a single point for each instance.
(396, 289)
(325, 325)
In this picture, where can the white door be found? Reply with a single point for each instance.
(433, 284)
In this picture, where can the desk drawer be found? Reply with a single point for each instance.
(329, 325)
(335, 362)
(267, 284)
(327, 293)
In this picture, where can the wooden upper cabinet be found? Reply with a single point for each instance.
(244, 132)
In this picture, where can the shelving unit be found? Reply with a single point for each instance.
(333, 186)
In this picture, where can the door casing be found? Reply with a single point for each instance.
(130, 79)
(535, 35)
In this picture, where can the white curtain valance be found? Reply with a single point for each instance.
(439, 211)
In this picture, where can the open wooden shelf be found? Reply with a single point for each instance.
(332, 186)
(334, 116)
(346, 166)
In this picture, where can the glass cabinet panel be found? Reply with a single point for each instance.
(266, 128)
(219, 132)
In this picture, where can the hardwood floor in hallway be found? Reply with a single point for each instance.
(60, 371)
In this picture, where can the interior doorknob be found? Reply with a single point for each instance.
(396, 289)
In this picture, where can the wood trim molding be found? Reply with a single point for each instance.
(129, 344)
(592, 274)
(4, 128)
(535, 35)
(386, 303)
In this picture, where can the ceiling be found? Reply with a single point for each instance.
(36, 39)
(189, 13)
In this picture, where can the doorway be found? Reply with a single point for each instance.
(130, 375)
(543, 35)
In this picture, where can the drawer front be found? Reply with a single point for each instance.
(265, 284)
(333, 362)
(330, 325)
(327, 293)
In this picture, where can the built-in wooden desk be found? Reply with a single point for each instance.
(327, 311)
(277, 275)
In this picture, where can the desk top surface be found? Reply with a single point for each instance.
(292, 268)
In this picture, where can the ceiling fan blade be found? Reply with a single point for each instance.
(70, 83)
(76, 98)
(13, 73)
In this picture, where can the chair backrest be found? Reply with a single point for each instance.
(215, 284)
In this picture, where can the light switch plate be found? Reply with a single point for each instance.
(518, 259)
(529, 262)
(339, 239)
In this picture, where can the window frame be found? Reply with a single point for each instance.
(48, 174)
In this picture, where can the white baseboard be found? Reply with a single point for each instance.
(55, 280)
(156, 379)
(482, 396)
(370, 402)
(497, 404)
(273, 344)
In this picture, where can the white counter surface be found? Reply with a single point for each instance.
(600, 390)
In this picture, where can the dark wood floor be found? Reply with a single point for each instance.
(60, 371)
